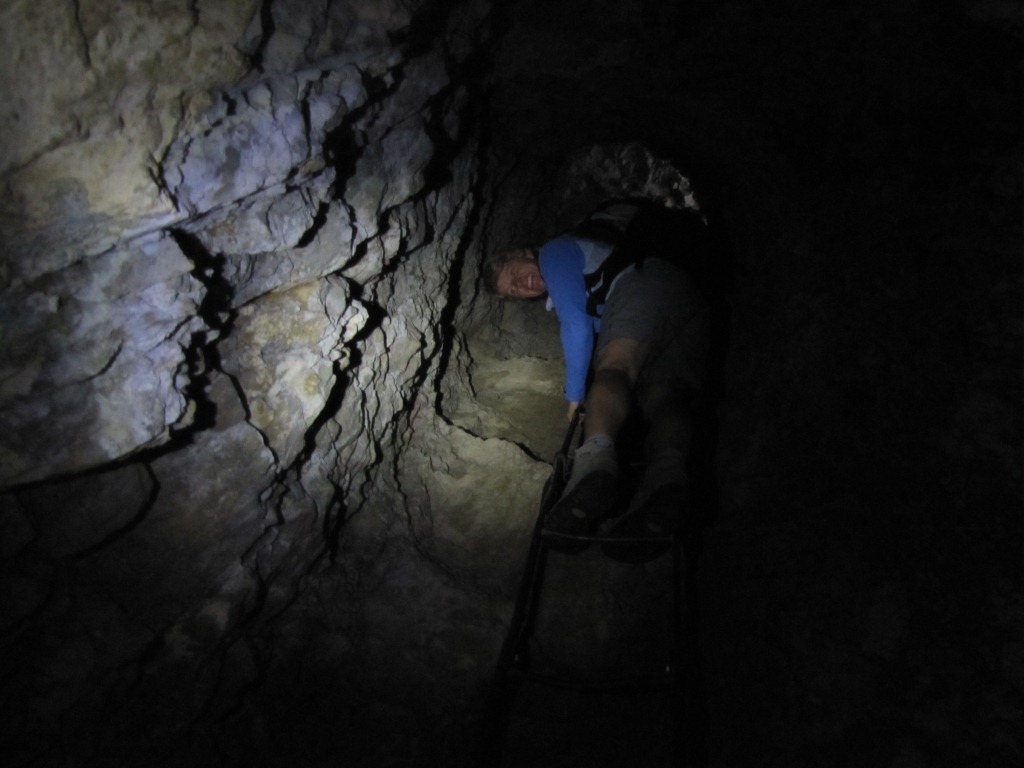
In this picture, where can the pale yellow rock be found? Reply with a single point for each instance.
(279, 350)
(481, 496)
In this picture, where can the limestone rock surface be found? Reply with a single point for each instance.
(94, 359)
(230, 233)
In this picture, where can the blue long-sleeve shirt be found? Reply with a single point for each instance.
(563, 263)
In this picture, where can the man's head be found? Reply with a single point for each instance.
(514, 274)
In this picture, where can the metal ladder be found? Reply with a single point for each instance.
(514, 664)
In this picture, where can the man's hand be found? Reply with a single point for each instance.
(573, 407)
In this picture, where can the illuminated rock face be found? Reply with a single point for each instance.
(231, 236)
(204, 164)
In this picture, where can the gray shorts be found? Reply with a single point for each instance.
(659, 306)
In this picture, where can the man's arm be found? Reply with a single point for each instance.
(561, 263)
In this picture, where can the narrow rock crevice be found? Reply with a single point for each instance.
(216, 312)
(267, 29)
(83, 37)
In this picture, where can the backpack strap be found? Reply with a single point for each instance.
(609, 223)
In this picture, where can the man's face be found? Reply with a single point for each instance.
(521, 279)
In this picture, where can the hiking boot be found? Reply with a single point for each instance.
(588, 497)
(657, 518)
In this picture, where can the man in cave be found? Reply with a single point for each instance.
(617, 275)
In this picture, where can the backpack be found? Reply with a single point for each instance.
(643, 229)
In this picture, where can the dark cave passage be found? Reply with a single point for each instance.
(271, 457)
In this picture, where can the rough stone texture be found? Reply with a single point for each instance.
(226, 304)
(93, 96)
(94, 359)
(282, 351)
(270, 458)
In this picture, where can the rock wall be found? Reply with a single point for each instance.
(233, 236)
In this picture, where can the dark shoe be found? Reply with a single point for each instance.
(646, 532)
(580, 511)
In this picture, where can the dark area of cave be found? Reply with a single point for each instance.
(297, 540)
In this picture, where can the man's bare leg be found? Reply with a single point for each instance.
(590, 490)
(616, 366)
